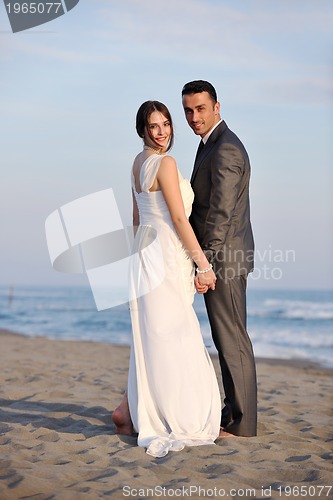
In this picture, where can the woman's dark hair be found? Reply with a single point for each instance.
(198, 86)
(142, 120)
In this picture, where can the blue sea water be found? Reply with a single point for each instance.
(282, 324)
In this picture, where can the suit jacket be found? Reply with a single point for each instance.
(221, 209)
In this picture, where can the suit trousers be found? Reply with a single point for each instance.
(226, 309)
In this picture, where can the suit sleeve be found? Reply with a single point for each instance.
(226, 174)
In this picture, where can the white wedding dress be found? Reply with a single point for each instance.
(173, 393)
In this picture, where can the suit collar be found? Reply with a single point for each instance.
(220, 129)
(217, 132)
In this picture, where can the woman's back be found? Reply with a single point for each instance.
(151, 203)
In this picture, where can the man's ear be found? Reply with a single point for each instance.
(217, 108)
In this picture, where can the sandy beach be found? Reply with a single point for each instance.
(57, 439)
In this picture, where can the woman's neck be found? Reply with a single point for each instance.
(154, 150)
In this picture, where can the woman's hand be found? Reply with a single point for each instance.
(200, 288)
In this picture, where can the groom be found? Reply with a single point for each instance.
(221, 221)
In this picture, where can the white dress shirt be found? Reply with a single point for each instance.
(206, 137)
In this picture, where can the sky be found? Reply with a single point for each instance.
(70, 90)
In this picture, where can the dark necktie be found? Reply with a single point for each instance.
(200, 148)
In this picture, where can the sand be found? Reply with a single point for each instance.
(57, 439)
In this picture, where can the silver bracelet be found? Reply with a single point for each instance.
(203, 271)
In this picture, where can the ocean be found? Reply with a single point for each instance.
(289, 324)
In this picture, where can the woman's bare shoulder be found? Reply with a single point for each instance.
(168, 160)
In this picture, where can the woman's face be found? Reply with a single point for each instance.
(159, 131)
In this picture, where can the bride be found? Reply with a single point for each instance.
(172, 398)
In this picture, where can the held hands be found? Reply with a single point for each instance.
(200, 288)
(206, 280)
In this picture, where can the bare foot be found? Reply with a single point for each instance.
(122, 419)
(224, 434)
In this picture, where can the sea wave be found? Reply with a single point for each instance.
(286, 324)
(293, 309)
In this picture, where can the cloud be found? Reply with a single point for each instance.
(264, 36)
(190, 30)
(53, 47)
(310, 90)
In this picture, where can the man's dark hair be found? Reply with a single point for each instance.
(142, 119)
(198, 86)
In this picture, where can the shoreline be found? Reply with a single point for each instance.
(58, 440)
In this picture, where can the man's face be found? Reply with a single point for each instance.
(201, 113)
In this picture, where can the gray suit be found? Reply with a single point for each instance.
(221, 221)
